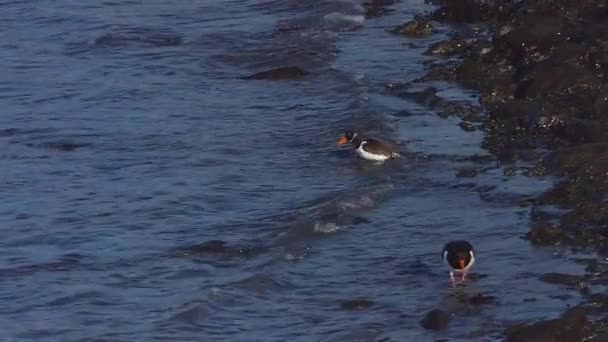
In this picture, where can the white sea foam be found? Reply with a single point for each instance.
(339, 18)
(326, 227)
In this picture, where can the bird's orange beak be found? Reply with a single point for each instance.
(461, 263)
(342, 141)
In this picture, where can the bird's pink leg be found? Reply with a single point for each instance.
(452, 280)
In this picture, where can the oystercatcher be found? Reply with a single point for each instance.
(368, 148)
(459, 257)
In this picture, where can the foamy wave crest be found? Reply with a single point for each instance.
(357, 203)
(346, 20)
(326, 227)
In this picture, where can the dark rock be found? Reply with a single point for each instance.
(561, 279)
(533, 36)
(282, 73)
(599, 299)
(468, 10)
(416, 28)
(467, 173)
(568, 328)
(481, 48)
(217, 248)
(554, 78)
(519, 112)
(466, 126)
(481, 299)
(509, 171)
(435, 320)
(448, 47)
(599, 337)
(376, 8)
(427, 97)
(600, 104)
(538, 170)
(544, 233)
(356, 304)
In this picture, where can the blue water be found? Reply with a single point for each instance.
(130, 141)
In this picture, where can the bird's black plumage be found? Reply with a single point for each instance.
(454, 252)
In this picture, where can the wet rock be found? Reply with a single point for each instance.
(428, 97)
(599, 299)
(466, 126)
(356, 304)
(600, 104)
(481, 48)
(481, 299)
(435, 320)
(218, 248)
(376, 8)
(531, 39)
(601, 336)
(282, 73)
(538, 170)
(449, 47)
(568, 328)
(469, 10)
(480, 159)
(561, 279)
(509, 171)
(553, 78)
(416, 28)
(543, 233)
(519, 113)
(467, 173)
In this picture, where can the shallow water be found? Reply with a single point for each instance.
(130, 140)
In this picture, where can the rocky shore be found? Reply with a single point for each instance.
(541, 68)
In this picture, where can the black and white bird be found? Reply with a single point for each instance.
(368, 148)
(459, 257)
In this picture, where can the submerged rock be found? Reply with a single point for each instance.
(139, 36)
(467, 173)
(561, 279)
(63, 146)
(469, 10)
(217, 248)
(356, 304)
(376, 8)
(481, 299)
(568, 328)
(447, 48)
(544, 233)
(282, 73)
(435, 320)
(416, 28)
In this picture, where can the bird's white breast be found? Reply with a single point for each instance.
(370, 156)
